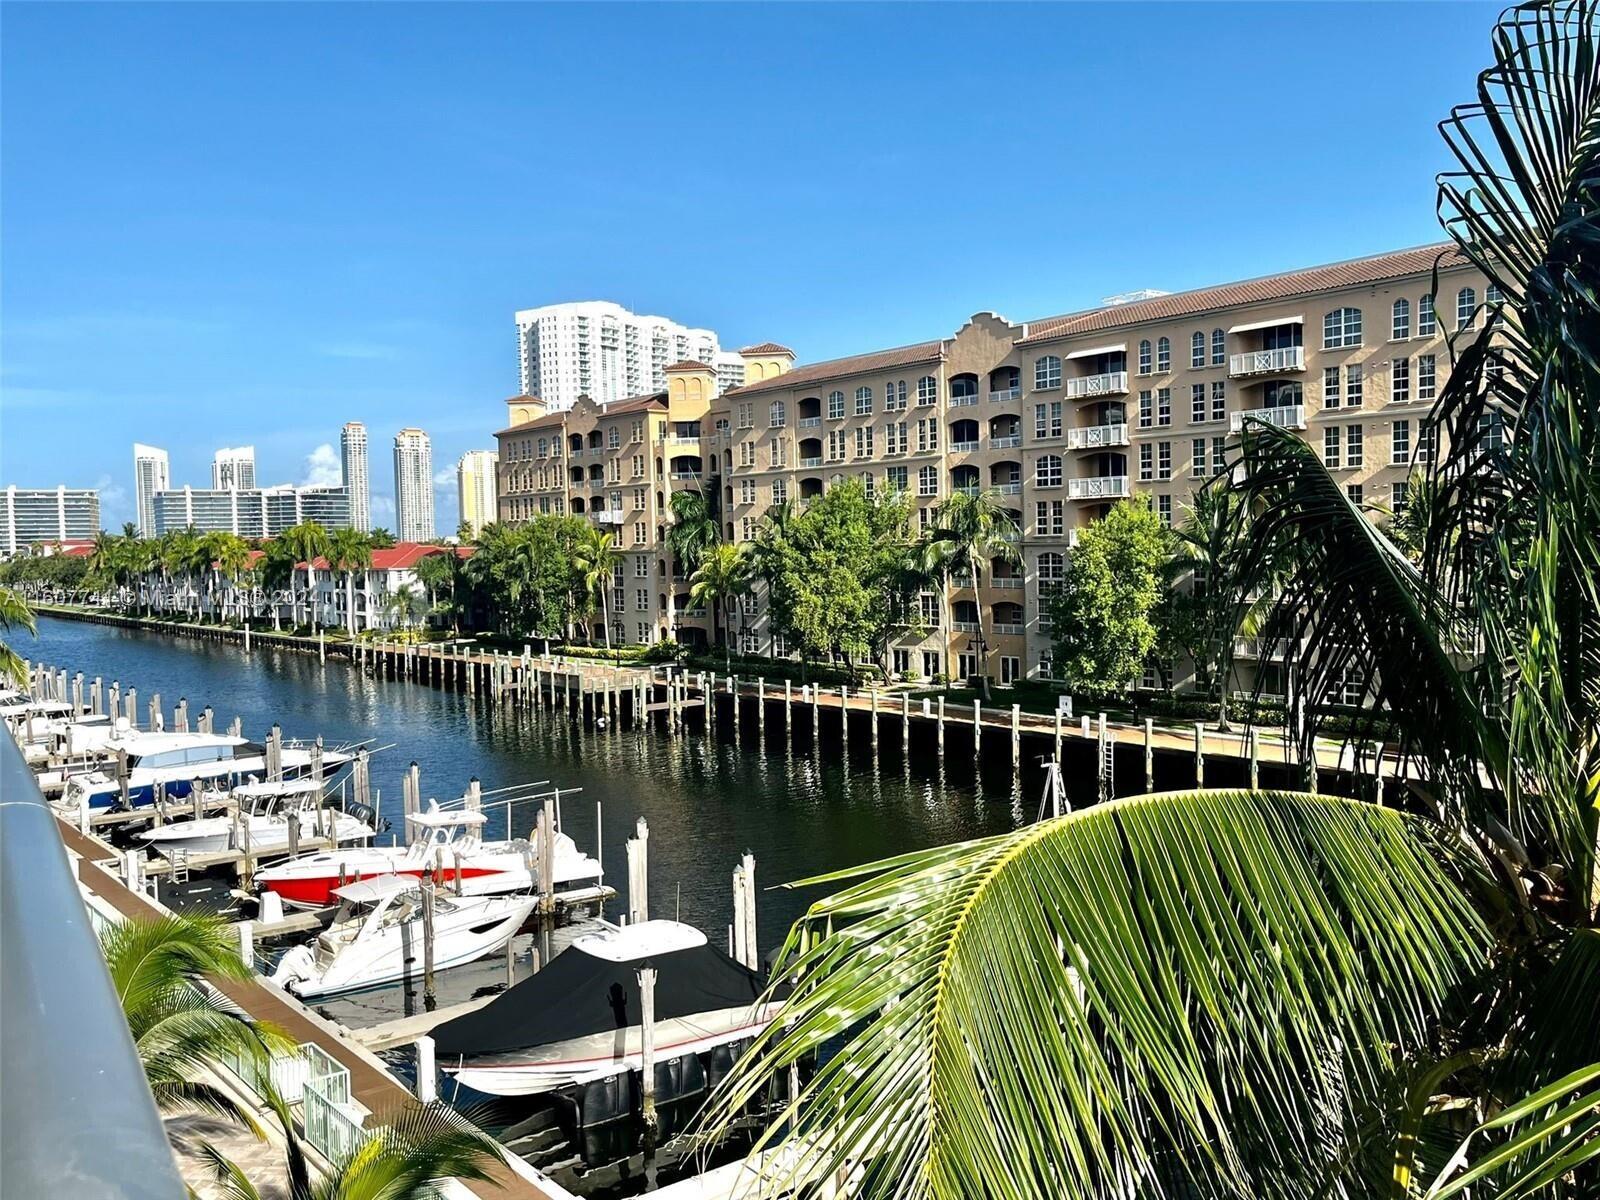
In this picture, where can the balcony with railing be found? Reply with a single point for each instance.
(1110, 383)
(1005, 385)
(809, 422)
(811, 460)
(1097, 437)
(1284, 416)
(1008, 629)
(1009, 442)
(963, 399)
(1007, 583)
(1270, 649)
(1099, 487)
(1267, 362)
(1005, 395)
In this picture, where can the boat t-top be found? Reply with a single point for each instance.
(377, 936)
(265, 810)
(443, 839)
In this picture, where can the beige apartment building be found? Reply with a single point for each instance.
(1064, 416)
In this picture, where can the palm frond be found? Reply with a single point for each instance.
(1184, 991)
(146, 958)
(227, 1174)
(412, 1154)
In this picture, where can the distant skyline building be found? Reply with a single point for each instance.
(413, 486)
(353, 468)
(57, 514)
(152, 473)
(601, 350)
(250, 512)
(234, 467)
(475, 486)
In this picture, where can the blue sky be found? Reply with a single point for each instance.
(232, 224)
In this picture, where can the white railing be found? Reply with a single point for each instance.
(963, 447)
(1014, 488)
(1268, 362)
(1268, 648)
(811, 462)
(967, 489)
(1006, 583)
(1002, 395)
(1286, 416)
(683, 439)
(1097, 385)
(612, 516)
(331, 1124)
(1101, 487)
(964, 626)
(1005, 630)
(686, 476)
(1095, 437)
(963, 401)
(810, 422)
(1010, 442)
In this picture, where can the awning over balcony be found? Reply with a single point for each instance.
(1300, 320)
(1096, 351)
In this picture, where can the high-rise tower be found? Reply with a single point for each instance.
(353, 465)
(413, 486)
(152, 473)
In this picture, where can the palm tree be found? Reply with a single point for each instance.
(307, 542)
(349, 551)
(412, 1156)
(176, 551)
(404, 604)
(231, 558)
(594, 560)
(970, 530)
(1279, 994)
(693, 532)
(180, 1026)
(14, 614)
(438, 574)
(724, 575)
(381, 538)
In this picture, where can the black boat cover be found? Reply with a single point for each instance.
(579, 994)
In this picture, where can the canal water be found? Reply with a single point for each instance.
(802, 809)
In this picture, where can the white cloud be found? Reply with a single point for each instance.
(323, 467)
(444, 479)
(382, 506)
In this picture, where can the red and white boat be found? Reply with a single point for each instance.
(443, 839)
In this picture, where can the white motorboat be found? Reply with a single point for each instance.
(443, 840)
(376, 936)
(176, 760)
(265, 811)
(578, 1020)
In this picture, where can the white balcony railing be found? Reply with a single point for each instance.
(1013, 488)
(1286, 416)
(1110, 384)
(967, 489)
(686, 476)
(963, 447)
(1001, 629)
(1096, 437)
(810, 422)
(1006, 583)
(1004, 395)
(1010, 442)
(1268, 362)
(811, 462)
(1100, 487)
(609, 516)
(963, 401)
(964, 626)
(1260, 648)
(683, 439)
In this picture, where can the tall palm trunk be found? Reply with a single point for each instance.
(605, 617)
(983, 641)
(949, 629)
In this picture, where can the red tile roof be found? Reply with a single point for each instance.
(636, 403)
(766, 348)
(878, 360)
(1356, 272)
(691, 364)
(400, 556)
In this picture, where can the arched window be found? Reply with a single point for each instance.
(1144, 357)
(863, 401)
(1427, 323)
(1197, 349)
(835, 405)
(1047, 471)
(927, 390)
(779, 414)
(1402, 320)
(1466, 307)
(1047, 372)
(1219, 347)
(1052, 570)
(1341, 328)
(1164, 355)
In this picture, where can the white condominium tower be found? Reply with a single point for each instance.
(353, 463)
(152, 473)
(475, 481)
(413, 486)
(601, 350)
(234, 467)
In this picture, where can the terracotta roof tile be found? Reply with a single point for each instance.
(637, 403)
(691, 364)
(766, 348)
(878, 360)
(400, 556)
(1377, 268)
(549, 419)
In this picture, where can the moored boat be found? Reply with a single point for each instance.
(265, 811)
